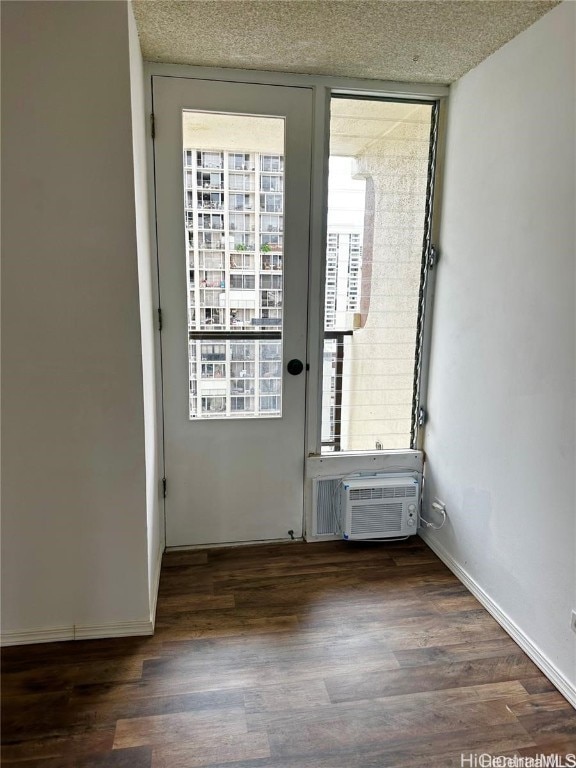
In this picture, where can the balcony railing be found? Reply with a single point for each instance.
(335, 441)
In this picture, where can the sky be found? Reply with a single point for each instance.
(345, 196)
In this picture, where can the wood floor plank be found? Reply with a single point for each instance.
(74, 743)
(203, 727)
(287, 696)
(221, 751)
(428, 678)
(138, 757)
(288, 656)
(401, 708)
(176, 604)
(90, 708)
(465, 651)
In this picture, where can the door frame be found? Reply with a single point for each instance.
(323, 87)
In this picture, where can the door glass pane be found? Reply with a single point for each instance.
(377, 187)
(233, 170)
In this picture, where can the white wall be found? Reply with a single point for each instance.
(148, 314)
(74, 529)
(501, 439)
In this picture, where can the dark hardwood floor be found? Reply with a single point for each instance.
(300, 655)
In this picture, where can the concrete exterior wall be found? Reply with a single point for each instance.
(382, 350)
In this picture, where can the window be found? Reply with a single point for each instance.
(377, 190)
(242, 282)
(271, 203)
(272, 163)
(241, 222)
(270, 242)
(240, 161)
(209, 159)
(271, 223)
(241, 202)
(239, 230)
(241, 181)
(271, 281)
(214, 404)
(213, 370)
(271, 183)
(213, 352)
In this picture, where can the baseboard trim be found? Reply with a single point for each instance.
(314, 539)
(78, 632)
(232, 544)
(557, 678)
(156, 588)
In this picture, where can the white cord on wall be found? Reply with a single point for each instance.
(437, 506)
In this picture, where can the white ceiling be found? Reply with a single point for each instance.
(429, 41)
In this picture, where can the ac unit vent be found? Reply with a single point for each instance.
(326, 507)
(376, 518)
(398, 492)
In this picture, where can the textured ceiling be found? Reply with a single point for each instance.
(432, 41)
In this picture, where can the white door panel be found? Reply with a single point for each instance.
(232, 476)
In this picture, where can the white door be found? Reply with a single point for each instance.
(232, 164)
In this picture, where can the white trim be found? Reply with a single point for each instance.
(556, 677)
(316, 538)
(339, 464)
(316, 269)
(362, 86)
(87, 632)
(156, 587)
(230, 544)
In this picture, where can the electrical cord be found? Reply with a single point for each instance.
(436, 506)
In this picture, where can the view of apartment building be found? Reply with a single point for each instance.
(342, 301)
(234, 234)
(343, 265)
(234, 218)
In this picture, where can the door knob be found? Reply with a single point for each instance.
(295, 367)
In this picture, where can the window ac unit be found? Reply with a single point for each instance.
(379, 507)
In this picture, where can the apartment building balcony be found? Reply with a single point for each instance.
(213, 352)
(241, 261)
(239, 300)
(209, 160)
(211, 260)
(241, 161)
(272, 164)
(240, 182)
(210, 206)
(243, 244)
(270, 262)
(212, 387)
(268, 206)
(209, 243)
(242, 386)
